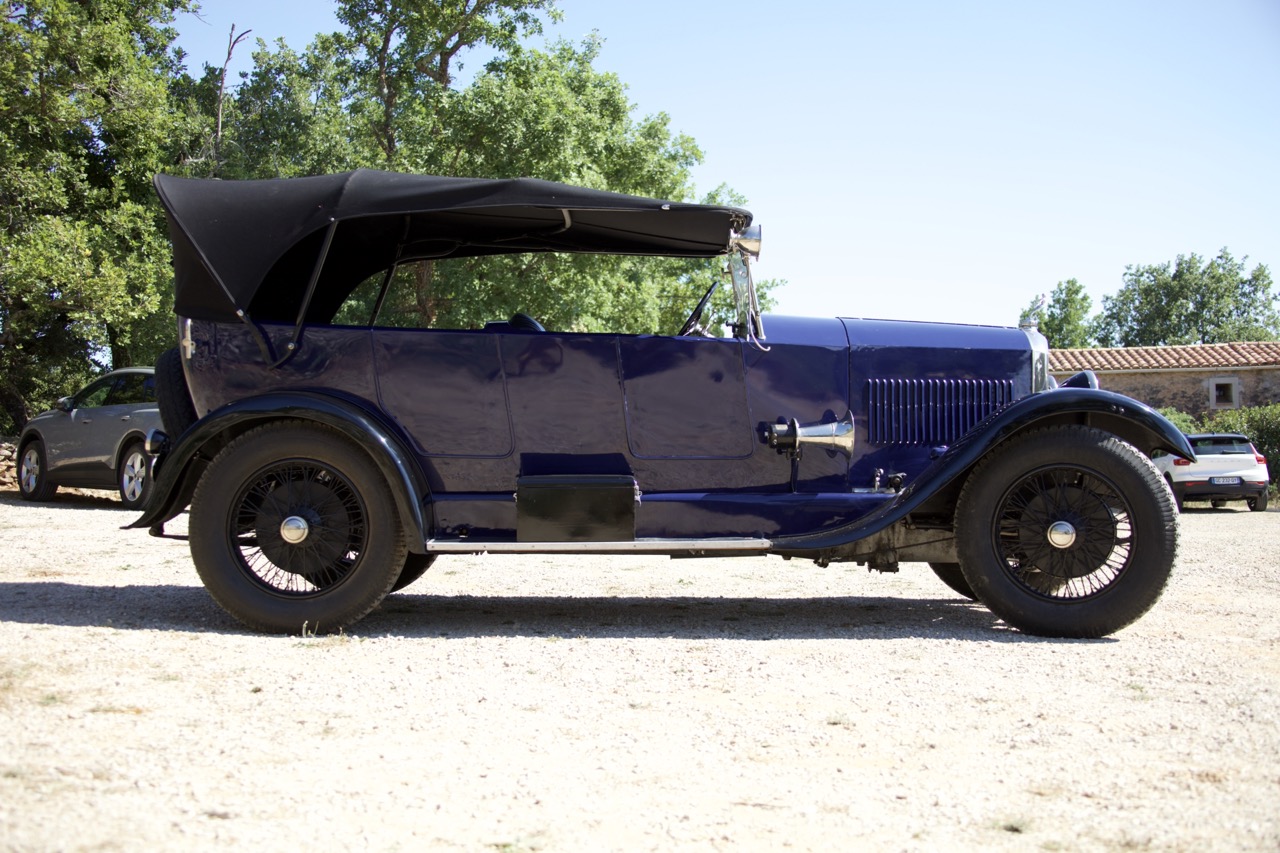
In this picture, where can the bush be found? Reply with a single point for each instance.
(1181, 420)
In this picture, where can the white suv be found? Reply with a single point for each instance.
(1227, 468)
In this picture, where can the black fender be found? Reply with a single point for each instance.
(1128, 419)
(179, 469)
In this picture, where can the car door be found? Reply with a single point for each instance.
(70, 441)
(130, 408)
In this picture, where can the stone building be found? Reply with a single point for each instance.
(1194, 379)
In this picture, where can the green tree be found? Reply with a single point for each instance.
(1066, 323)
(400, 56)
(85, 121)
(290, 116)
(1190, 301)
(549, 114)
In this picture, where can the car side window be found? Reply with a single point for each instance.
(409, 303)
(132, 389)
(96, 394)
(424, 294)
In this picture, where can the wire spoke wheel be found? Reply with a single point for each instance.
(1064, 532)
(299, 528)
(294, 528)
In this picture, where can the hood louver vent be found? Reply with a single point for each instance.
(931, 411)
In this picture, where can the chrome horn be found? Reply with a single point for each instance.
(834, 435)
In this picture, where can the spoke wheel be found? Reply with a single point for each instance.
(293, 529)
(1064, 532)
(299, 527)
(1067, 532)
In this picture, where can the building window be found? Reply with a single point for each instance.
(1224, 393)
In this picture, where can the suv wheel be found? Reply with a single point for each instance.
(293, 529)
(1067, 532)
(33, 473)
(1258, 504)
(134, 476)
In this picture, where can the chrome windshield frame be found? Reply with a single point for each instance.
(743, 247)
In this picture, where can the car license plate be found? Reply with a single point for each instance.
(1225, 481)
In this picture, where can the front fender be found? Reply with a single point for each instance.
(1128, 419)
(178, 470)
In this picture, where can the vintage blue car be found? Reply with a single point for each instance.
(329, 454)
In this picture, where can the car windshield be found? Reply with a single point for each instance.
(1221, 444)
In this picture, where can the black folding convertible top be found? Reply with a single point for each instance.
(253, 246)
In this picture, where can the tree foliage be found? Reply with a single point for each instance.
(85, 121)
(1063, 316)
(385, 88)
(1190, 301)
(94, 100)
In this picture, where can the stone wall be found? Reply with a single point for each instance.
(8, 470)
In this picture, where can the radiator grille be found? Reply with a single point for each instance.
(931, 411)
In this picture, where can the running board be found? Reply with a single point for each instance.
(632, 546)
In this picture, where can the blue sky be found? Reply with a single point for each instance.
(940, 161)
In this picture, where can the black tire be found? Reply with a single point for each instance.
(33, 473)
(1258, 504)
(330, 492)
(952, 576)
(1114, 521)
(415, 566)
(173, 397)
(133, 476)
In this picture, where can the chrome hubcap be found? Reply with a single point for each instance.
(1061, 534)
(294, 529)
(135, 476)
(30, 470)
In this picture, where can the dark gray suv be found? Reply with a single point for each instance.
(93, 440)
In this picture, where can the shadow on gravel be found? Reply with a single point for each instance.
(152, 608)
(836, 617)
(187, 608)
(69, 499)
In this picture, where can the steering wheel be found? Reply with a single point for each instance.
(691, 325)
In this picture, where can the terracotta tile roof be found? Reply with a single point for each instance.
(1203, 356)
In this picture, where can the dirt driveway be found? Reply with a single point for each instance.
(627, 703)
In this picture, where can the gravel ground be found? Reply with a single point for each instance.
(628, 703)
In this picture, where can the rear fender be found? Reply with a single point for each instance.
(178, 470)
(1128, 419)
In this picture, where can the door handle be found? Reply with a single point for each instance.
(124, 417)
